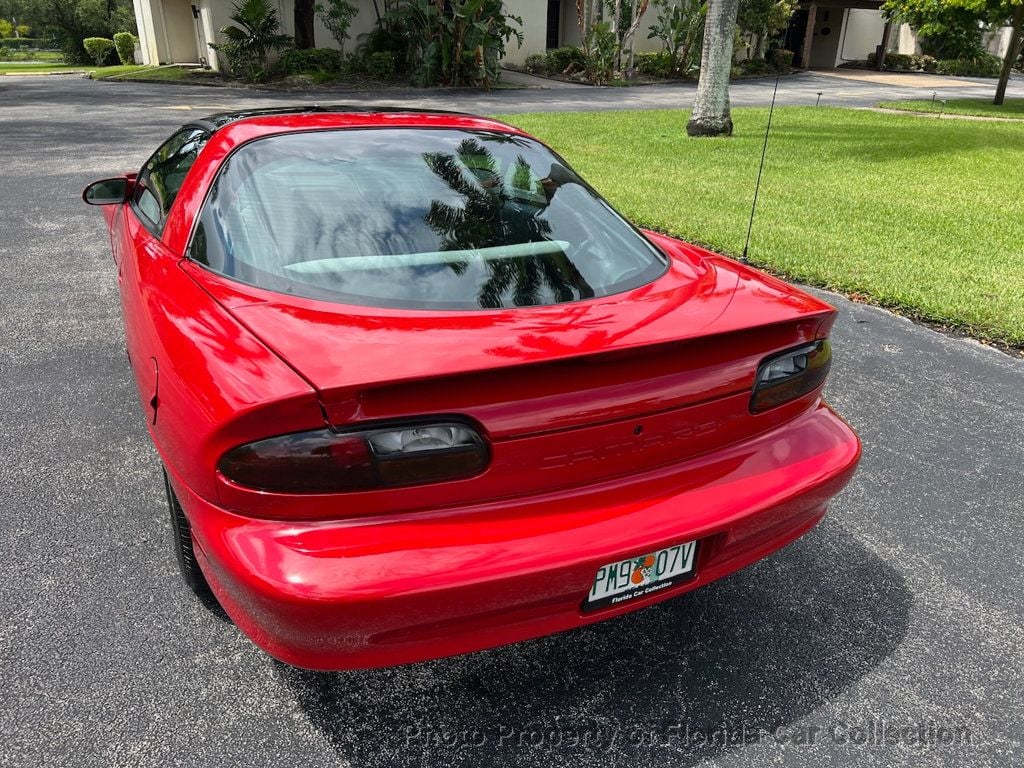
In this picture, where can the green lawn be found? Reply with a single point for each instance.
(18, 67)
(918, 214)
(1011, 108)
(130, 71)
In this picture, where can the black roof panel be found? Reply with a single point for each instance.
(218, 120)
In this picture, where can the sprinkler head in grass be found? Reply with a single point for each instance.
(818, 100)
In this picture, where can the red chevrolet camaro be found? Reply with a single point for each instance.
(419, 390)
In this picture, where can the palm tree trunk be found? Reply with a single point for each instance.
(1012, 52)
(711, 107)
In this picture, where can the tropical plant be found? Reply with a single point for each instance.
(337, 16)
(459, 42)
(257, 34)
(601, 50)
(679, 26)
(99, 48)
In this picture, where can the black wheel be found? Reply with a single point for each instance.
(183, 550)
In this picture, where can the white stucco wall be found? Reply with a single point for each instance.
(147, 33)
(906, 40)
(534, 14)
(861, 35)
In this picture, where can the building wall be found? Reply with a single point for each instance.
(534, 14)
(997, 42)
(180, 28)
(906, 40)
(828, 31)
(862, 33)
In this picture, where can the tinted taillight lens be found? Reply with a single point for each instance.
(790, 375)
(324, 461)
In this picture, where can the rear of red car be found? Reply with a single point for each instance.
(507, 441)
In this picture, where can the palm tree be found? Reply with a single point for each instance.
(711, 106)
(257, 34)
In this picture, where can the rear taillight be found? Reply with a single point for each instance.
(325, 461)
(787, 376)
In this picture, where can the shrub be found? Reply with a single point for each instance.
(755, 67)
(5, 53)
(14, 43)
(300, 62)
(899, 61)
(236, 60)
(536, 63)
(99, 48)
(985, 65)
(928, 63)
(391, 39)
(780, 59)
(735, 72)
(656, 64)
(125, 42)
(561, 59)
(380, 65)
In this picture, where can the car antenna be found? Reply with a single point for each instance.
(760, 169)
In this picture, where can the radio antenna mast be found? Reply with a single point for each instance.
(760, 170)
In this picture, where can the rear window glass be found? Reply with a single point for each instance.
(442, 219)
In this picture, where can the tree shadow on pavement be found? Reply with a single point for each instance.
(755, 651)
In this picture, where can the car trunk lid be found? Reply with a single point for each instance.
(566, 394)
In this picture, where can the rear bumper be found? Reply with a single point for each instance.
(373, 592)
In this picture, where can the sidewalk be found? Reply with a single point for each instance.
(803, 89)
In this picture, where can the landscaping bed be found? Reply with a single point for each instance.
(910, 213)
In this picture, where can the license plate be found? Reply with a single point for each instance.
(635, 577)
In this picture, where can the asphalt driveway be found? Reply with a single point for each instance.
(891, 635)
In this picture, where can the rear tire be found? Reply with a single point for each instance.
(184, 550)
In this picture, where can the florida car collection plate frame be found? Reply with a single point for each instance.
(635, 577)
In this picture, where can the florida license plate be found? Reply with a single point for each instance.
(636, 577)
